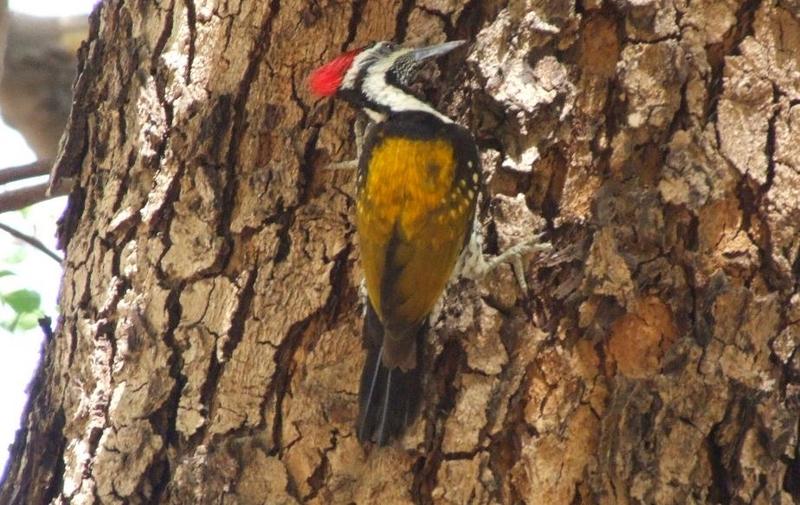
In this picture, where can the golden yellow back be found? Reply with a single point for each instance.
(412, 218)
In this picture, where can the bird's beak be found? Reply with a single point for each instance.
(423, 53)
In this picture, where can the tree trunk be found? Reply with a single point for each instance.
(209, 346)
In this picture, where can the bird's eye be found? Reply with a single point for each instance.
(388, 47)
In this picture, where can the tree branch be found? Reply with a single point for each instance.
(12, 174)
(16, 199)
(45, 324)
(33, 241)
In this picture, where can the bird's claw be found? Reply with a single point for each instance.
(479, 266)
(513, 255)
(359, 130)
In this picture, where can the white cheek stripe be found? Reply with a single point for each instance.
(379, 91)
(374, 115)
(350, 76)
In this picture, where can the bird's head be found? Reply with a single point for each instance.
(376, 77)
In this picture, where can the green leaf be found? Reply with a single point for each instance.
(23, 300)
(27, 321)
(4, 273)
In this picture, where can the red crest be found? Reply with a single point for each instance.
(325, 80)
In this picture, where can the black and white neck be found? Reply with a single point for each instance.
(374, 85)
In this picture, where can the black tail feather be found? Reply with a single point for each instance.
(388, 398)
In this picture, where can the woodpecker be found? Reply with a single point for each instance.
(418, 179)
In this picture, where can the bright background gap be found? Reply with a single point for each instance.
(20, 350)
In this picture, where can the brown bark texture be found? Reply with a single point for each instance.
(209, 346)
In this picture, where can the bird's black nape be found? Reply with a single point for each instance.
(388, 397)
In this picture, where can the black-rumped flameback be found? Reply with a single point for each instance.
(417, 184)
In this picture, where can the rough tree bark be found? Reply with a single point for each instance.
(209, 346)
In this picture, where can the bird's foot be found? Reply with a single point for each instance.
(480, 267)
(359, 130)
(343, 165)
